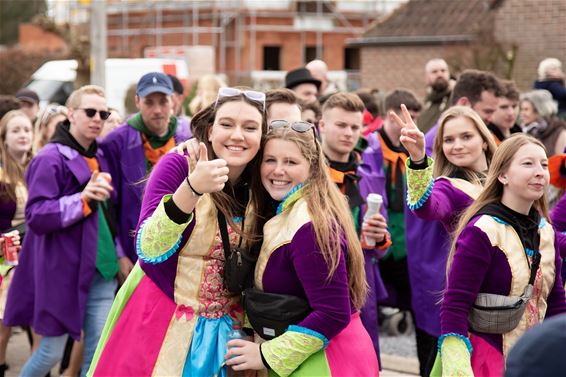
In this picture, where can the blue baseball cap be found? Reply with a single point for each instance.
(154, 82)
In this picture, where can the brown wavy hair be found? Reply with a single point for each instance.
(329, 213)
(224, 200)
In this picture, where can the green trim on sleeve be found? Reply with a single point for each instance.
(419, 184)
(159, 236)
(287, 352)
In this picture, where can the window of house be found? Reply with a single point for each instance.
(271, 58)
(352, 58)
(312, 7)
(310, 53)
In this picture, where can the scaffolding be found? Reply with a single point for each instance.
(227, 21)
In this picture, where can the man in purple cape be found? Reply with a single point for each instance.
(65, 281)
(136, 146)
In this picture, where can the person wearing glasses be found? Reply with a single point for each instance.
(310, 250)
(134, 149)
(45, 125)
(173, 314)
(66, 277)
(340, 128)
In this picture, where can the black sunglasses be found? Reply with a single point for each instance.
(92, 112)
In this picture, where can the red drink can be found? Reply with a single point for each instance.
(10, 251)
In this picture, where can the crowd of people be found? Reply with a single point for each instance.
(146, 241)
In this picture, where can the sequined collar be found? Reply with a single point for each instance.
(291, 197)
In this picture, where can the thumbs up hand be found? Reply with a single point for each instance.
(208, 176)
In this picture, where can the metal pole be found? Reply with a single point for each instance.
(98, 43)
(318, 32)
(252, 65)
(195, 23)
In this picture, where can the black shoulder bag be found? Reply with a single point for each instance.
(239, 263)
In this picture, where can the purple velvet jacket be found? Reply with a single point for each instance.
(298, 268)
(58, 258)
(125, 154)
(480, 267)
(427, 265)
(427, 245)
(167, 175)
(445, 204)
(372, 180)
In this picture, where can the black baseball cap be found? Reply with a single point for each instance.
(27, 95)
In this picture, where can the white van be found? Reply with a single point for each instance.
(53, 81)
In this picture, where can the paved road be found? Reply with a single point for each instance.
(398, 359)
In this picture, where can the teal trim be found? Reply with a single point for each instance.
(460, 336)
(529, 252)
(541, 224)
(423, 199)
(291, 192)
(500, 221)
(307, 331)
(161, 258)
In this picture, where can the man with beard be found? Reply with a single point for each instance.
(439, 88)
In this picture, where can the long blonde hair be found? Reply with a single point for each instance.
(329, 212)
(41, 138)
(493, 189)
(13, 171)
(443, 167)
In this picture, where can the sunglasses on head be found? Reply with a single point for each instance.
(51, 110)
(250, 94)
(299, 126)
(92, 112)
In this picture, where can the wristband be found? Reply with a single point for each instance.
(191, 187)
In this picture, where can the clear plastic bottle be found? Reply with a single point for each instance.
(235, 333)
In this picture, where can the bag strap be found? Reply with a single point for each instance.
(224, 234)
(534, 267)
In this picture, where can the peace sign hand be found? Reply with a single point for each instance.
(411, 137)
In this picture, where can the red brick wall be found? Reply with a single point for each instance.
(387, 68)
(538, 28)
(33, 38)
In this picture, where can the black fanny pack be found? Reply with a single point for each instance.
(270, 314)
(239, 263)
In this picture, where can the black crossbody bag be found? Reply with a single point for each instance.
(270, 314)
(239, 263)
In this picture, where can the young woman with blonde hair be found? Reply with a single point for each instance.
(310, 250)
(503, 267)
(16, 134)
(441, 190)
(52, 115)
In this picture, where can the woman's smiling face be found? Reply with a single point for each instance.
(282, 168)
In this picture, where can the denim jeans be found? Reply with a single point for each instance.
(50, 351)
